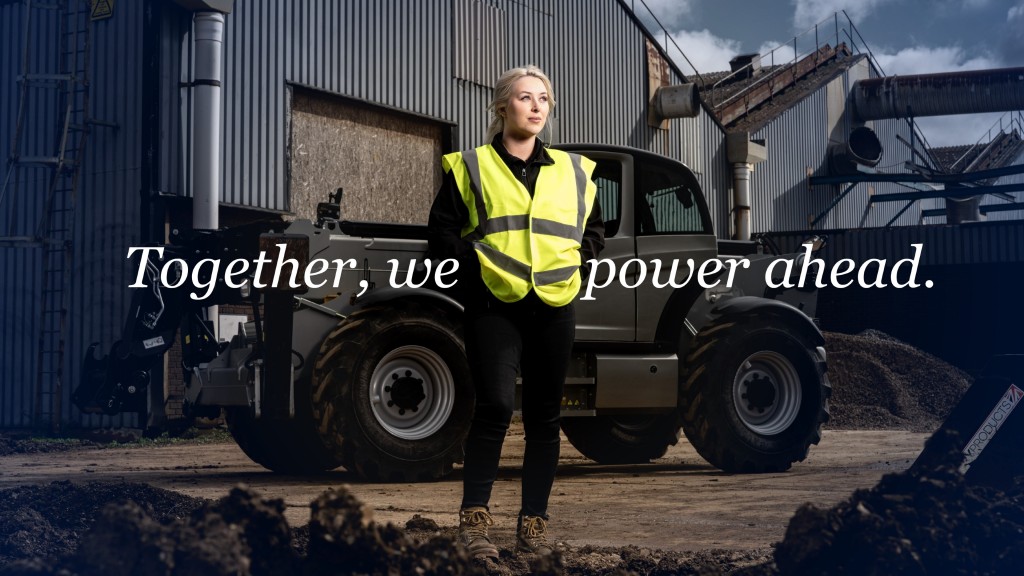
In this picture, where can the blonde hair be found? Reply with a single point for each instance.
(503, 95)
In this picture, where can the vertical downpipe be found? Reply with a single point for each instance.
(209, 34)
(206, 132)
(741, 200)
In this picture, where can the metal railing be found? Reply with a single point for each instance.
(840, 31)
(1008, 122)
(669, 40)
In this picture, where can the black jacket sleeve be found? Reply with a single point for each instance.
(593, 238)
(593, 234)
(448, 214)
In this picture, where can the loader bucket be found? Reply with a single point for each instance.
(989, 426)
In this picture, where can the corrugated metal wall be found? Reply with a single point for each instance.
(977, 243)
(107, 213)
(398, 53)
(20, 273)
(393, 53)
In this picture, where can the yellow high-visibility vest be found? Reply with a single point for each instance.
(525, 243)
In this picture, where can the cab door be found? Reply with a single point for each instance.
(611, 315)
(672, 223)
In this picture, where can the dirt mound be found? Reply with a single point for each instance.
(879, 382)
(917, 522)
(48, 521)
(138, 530)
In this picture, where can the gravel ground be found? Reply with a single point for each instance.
(916, 522)
(880, 383)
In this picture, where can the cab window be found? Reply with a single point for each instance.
(608, 178)
(668, 201)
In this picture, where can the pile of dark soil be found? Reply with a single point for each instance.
(927, 521)
(42, 523)
(135, 529)
(879, 382)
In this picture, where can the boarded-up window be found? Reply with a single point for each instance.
(479, 45)
(387, 162)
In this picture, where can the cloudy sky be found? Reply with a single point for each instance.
(906, 37)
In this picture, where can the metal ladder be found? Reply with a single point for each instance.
(53, 234)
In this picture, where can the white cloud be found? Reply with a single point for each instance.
(810, 12)
(958, 130)
(927, 60)
(784, 53)
(672, 14)
(707, 52)
(1012, 36)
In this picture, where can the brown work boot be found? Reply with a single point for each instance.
(532, 535)
(473, 523)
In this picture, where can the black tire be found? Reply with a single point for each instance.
(634, 439)
(283, 446)
(392, 392)
(754, 393)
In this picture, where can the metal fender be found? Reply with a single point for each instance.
(313, 321)
(346, 305)
(755, 305)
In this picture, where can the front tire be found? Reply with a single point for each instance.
(754, 393)
(392, 392)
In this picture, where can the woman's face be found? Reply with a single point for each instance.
(527, 112)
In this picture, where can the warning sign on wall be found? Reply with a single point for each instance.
(101, 9)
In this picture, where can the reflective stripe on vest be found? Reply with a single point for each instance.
(525, 243)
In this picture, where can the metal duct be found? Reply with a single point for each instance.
(742, 153)
(997, 90)
(678, 101)
(862, 147)
(961, 210)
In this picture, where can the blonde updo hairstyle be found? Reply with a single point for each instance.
(503, 95)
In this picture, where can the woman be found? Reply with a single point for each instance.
(513, 212)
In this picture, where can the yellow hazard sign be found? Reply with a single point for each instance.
(101, 9)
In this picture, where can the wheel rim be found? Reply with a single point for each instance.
(766, 393)
(412, 392)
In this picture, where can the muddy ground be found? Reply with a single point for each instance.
(205, 508)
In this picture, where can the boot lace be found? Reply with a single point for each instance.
(475, 523)
(534, 529)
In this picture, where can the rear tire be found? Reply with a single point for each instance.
(754, 394)
(392, 392)
(283, 446)
(623, 439)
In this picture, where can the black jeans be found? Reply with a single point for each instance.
(501, 338)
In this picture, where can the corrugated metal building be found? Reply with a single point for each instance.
(320, 94)
(311, 90)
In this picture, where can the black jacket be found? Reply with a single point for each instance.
(448, 215)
